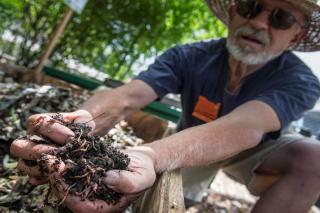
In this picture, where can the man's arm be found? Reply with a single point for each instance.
(101, 112)
(108, 107)
(241, 129)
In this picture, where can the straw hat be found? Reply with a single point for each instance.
(310, 43)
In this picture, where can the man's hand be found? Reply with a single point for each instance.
(132, 183)
(43, 125)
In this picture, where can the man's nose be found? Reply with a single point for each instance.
(261, 22)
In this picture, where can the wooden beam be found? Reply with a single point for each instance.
(52, 42)
(166, 195)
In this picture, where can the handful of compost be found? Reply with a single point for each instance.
(86, 160)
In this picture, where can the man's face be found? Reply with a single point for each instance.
(254, 41)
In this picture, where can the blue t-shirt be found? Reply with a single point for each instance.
(201, 69)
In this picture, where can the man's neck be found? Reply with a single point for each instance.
(238, 71)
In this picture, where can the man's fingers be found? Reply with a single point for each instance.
(29, 150)
(128, 199)
(29, 170)
(43, 124)
(76, 204)
(55, 167)
(55, 170)
(127, 181)
(38, 180)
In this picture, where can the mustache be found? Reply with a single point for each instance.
(260, 35)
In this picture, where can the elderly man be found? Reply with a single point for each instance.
(237, 95)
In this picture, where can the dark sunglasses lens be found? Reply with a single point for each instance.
(249, 8)
(281, 19)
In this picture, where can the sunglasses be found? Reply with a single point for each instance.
(278, 18)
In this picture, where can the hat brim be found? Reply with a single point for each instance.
(311, 41)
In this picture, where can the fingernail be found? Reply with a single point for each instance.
(68, 132)
(69, 139)
(112, 178)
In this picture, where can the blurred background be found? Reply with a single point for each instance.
(109, 38)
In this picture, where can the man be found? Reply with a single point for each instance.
(237, 97)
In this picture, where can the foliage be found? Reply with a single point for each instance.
(30, 24)
(110, 35)
(8, 11)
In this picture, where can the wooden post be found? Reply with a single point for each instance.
(52, 42)
(166, 195)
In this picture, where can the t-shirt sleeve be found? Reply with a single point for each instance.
(165, 74)
(292, 95)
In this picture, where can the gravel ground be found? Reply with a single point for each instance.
(228, 196)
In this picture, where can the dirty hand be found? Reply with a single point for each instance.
(43, 125)
(132, 183)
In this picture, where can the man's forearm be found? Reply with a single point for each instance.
(227, 136)
(108, 107)
(203, 145)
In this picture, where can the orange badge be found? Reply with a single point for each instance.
(206, 110)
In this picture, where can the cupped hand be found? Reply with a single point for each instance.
(29, 151)
(132, 183)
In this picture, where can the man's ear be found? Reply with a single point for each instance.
(298, 37)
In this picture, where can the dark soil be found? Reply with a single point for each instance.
(87, 159)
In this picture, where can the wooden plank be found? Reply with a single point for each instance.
(166, 196)
(52, 42)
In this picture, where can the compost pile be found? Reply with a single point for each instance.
(17, 103)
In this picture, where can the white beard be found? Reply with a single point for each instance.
(245, 53)
(247, 56)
